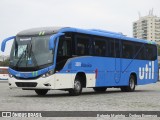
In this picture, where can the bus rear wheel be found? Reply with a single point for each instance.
(131, 86)
(77, 90)
(100, 89)
(41, 92)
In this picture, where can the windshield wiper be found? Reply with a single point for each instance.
(19, 61)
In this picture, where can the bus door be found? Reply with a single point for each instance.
(117, 74)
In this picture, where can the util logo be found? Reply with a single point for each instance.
(147, 72)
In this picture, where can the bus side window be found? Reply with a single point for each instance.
(151, 52)
(82, 46)
(99, 48)
(117, 48)
(111, 48)
(139, 51)
(81, 49)
(64, 48)
(127, 50)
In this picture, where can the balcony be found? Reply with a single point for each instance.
(157, 23)
(144, 21)
(134, 24)
(144, 27)
(144, 24)
(144, 37)
(134, 30)
(134, 34)
(157, 34)
(134, 27)
(157, 20)
(157, 37)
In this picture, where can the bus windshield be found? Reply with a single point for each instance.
(31, 52)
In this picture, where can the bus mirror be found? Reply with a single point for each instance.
(3, 45)
(52, 39)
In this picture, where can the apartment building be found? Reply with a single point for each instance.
(147, 27)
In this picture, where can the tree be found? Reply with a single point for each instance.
(5, 63)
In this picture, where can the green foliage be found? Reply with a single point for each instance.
(5, 63)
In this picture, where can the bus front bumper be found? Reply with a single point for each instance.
(40, 83)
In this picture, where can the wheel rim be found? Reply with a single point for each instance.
(132, 83)
(77, 86)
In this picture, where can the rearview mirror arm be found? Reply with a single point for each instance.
(3, 45)
(52, 38)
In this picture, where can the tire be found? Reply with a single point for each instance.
(41, 92)
(77, 90)
(131, 86)
(100, 89)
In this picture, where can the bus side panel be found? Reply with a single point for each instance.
(146, 71)
(105, 71)
(63, 80)
(128, 66)
(99, 71)
(90, 80)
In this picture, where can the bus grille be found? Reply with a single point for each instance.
(26, 84)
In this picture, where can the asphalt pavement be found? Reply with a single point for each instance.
(145, 98)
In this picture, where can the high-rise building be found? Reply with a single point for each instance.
(147, 27)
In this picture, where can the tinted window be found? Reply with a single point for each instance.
(82, 45)
(151, 52)
(127, 50)
(117, 48)
(99, 47)
(111, 48)
(139, 50)
(64, 48)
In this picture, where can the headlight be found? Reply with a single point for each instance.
(49, 73)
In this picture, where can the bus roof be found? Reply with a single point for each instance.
(103, 33)
(37, 31)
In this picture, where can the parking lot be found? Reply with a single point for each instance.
(145, 98)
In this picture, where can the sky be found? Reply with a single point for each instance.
(110, 15)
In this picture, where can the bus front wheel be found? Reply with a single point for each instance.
(131, 86)
(41, 91)
(77, 90)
